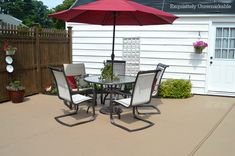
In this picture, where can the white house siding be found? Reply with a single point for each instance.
(169, 44)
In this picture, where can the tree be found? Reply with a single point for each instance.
(34, 11)
(13, 7)
(29, 11)
(59, 24)
(41, 15)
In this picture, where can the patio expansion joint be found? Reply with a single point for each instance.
(193, 152)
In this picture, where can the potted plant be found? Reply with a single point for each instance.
(106, 72)
(16, 91)
(9, 49)
(199, 46)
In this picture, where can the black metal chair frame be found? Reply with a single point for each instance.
(134, 107)
(162, 68)
(75, 105)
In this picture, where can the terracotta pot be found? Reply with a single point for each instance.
(16, 96)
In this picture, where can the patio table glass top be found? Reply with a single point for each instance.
(122, 79)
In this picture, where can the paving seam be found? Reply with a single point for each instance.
(211, 131)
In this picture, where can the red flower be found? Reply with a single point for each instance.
(5, 45)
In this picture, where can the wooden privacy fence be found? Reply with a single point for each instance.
(36, 50)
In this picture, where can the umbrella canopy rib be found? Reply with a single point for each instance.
(73, 19)
(108, 18)
(134, 16)
(162, 18)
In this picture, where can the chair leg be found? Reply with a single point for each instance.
(149, 113)
(57, 118)
(94, 100)
(88, 109)
(101, 97)
(93, 109)
(68, 104)
(104, 99)
(146, 121)
(117, 111)
(136, 117)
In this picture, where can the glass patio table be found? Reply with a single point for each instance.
(122, 79)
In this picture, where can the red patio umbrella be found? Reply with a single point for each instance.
(115, 12)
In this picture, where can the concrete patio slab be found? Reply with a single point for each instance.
(222, 140)
(193, 126)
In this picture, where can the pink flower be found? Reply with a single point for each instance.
(200, 44)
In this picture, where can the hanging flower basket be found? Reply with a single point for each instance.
(9, 49)
(199, 46)
(10, 52)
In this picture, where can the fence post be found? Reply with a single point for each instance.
(70, 43)
(38, 58)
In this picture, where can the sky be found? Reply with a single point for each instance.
(52, 3)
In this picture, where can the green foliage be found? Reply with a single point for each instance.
(106, 72)
(40, 15)
(15, 86)
(34, 11)
(13, 7)
(51, 90)
(54, 91)
(128, 87)
(29, 11)
(22, 27)
(173, 88)
(59, 24)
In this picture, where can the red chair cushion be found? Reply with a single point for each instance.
(72, 82)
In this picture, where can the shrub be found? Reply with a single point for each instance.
(175, 88)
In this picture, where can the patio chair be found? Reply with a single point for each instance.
(119, 68)
(157, 82)
(78, 72)
(65, 93)
(141, 94)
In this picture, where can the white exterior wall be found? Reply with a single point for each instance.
(168, 44)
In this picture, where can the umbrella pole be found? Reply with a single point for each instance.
(114, 27)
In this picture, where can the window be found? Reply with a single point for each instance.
(131, 54)
(225, 43)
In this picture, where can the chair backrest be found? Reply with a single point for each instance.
(74, 69)
(119, 66)
(61, 83)
(158, 79)
(143, 87)
(162, 67)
